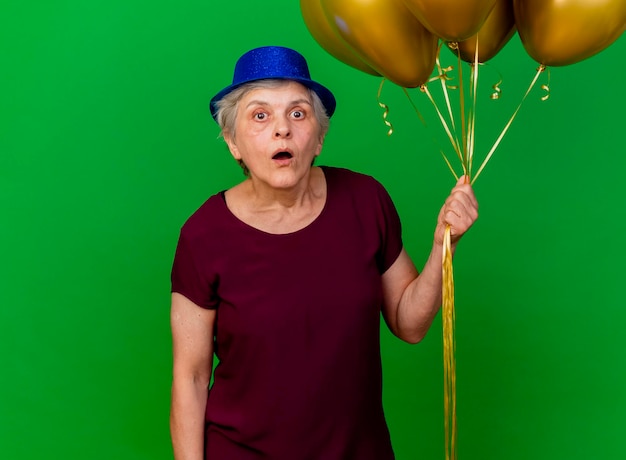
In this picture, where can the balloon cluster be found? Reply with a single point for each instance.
(398, 39)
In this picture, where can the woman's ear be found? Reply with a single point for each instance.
(320, 145)
(232, 146)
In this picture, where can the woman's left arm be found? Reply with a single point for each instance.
(412, 299)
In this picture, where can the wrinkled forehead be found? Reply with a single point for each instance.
(268, 92)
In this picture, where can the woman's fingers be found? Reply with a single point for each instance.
(460, 209)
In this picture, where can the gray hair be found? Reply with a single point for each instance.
(226, 113)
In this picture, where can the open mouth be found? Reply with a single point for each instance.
(282, 156)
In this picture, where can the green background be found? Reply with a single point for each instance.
(107, 146)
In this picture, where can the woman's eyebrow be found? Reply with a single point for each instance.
(301, 101)
(256, 102)
(265, 103)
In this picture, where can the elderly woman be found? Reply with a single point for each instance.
(284, 278)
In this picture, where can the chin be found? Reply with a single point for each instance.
(287, 178)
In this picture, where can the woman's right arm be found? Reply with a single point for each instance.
(192, 343)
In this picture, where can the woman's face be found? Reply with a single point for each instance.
(276, 135)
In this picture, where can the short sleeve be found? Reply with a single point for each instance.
(390, 228)
(189, 277)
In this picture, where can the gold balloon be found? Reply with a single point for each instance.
(563, 32)
(492, 36)
(387, 37)
(452, 20)
(327, 38)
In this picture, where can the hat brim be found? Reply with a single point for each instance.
(328, 99)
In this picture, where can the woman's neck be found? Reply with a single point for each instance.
(279, 210)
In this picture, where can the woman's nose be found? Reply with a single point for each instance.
(281, 128)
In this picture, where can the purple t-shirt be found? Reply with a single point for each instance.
(297, 330)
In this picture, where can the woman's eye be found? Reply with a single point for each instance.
(259, 116)
(297, 114)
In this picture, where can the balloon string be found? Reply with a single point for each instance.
(451, 137)
(496, 90)
(449, 349)
(472, 115)
(443, 78)
(546, 88)
(464, 159)
(540, 69)
(423, 120)
(385, 108)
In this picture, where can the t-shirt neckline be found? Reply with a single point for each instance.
(312, 224)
